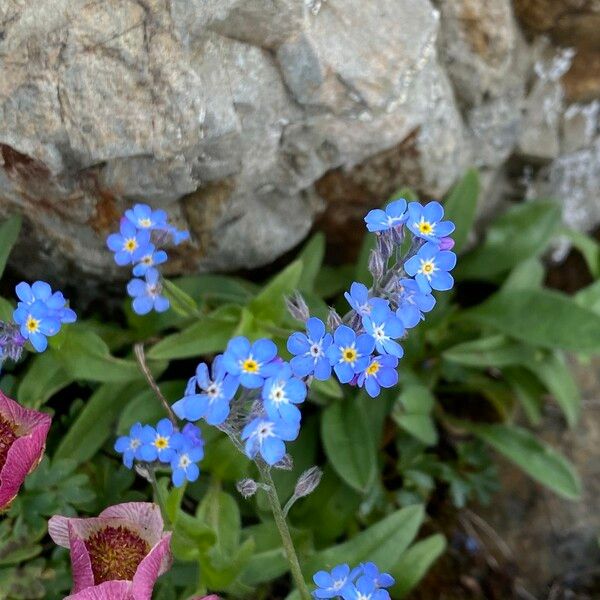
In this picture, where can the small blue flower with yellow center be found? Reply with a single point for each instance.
(359, 299)
(184, 465)
(161, 443)
(333, 584)
(212, 404)
(147, 293)
(412, 302)
(426, 221)
(55, 302)
(281, 393)
(130, 445)
(129, 244)
(266, 437)
(36, 323)
(349, 354)
(143, 217)
(380, 372)
(252, 363)
(430, 268)
(151, 258)
(310, 351)
(385, 327)
(392, 216)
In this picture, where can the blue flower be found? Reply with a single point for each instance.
(266, 436)
(129, 244)
(385, 327)
(349, 353)
(364, 589)
(183, 463)
(161, 443)
(130, 445)
(412, 302)
(335, 583)
(310, 349)
(54, 302)
(359, 300)
(252, 363)
(372, 573)
(392, 216)
(281, 393)
(143, 217)
(192, 435)
(426, 221)
(380, 372)
(217, 392)
(150, 258)
(178, 235)
(36, 323)
(146, 293)
(430, 268)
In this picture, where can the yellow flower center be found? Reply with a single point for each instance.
(161, 442)
(349, 355)
(144, 222)
(250, 366)
(425, 227)
(428, 267)
(373, 368)
(131, 244)
(32, 325)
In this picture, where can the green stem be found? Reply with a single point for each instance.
(284, 532)
(160, 499)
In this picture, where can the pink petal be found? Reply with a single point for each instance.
(153, 566)
(83, 576)
(58, 528)
(109, 590)
(26, 451)
(143, 517)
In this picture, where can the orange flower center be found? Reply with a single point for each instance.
(8, 434)
(115, 553)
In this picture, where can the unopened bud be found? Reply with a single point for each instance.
(297, 307)
(397, 235)
(143, 471)
(246, 487)
(376, 264)
(446, 243)
(308, 482)
(385, 244)
(333, 319)
(285, 464)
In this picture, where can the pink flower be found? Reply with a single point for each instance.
(23, 434)
(116, 556)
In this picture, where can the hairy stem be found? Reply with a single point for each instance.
(140, 355)
(160, 499)
(284, 532)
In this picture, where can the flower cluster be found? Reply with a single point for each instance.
(363, 348)
(164, 444)
(142, 234)
(362, 583)
(40, 314)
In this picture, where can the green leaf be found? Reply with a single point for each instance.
(589, 297)
(383, 543)
(329, 388)
(587, 245)
(537, 459)
(9, 232)
(207, 335)
(461, 207)
(181, 302)
(415, 562)
(96, 422)
(349, 443)
(492, 351)
(540, 317)
(553, 372)
(412, 412)
(528, 391)
(522, 232)
(6, 309)
(526, 275)
(269, 305)
(85, 355)
(312, 258)
(44, 378)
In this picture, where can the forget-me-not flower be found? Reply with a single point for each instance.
(365, 589)
(161, 443)
(212, 404)
(130, 445)
(147, 293)
(36, 323)
(54, 301)
(266, 436)
(252, 363)
(151, 258)
(412, 302)
(281, 393)
(349, 354)
(129, 244)
(310, 349)
(358, 298)
(371, 572)
(385, 327)
(430, 268)
(333, 584)
(392, 216)
(143, 217)
(184, 463)
(380, 372)
(426, 221)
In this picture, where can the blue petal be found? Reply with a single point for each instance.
(344, 372)
(315, 328)
(142, 305)
(322, 369)
(433, 212)
(298, 343)
(302, 365)
(264, 350)
(412, 265)
(272, 450)
(372, 387)
(344, 336)
(444, 228)
(396, 209)
(161, 304)
(38, 341)
(387, 377)
(442, 281)
(446, 260)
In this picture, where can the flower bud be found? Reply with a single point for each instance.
(246, 487)
(397, 235)
(308, 482)
(446, 243)
(385, 245)
(376, 264)
(285, 464)
(297, 307)
(333, 320)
